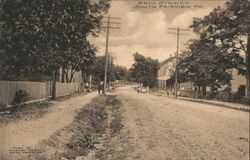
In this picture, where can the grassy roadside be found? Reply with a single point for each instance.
(25, 112)
(31, 111)
(93, 122)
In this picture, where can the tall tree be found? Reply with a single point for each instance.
(144, 70)
(48, 34)
(206, 64)
(229, 28)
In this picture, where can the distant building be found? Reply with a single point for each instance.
(166, 80)
(165, 72)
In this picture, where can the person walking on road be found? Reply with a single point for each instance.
(99, 88)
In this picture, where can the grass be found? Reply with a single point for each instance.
(91, 123)
(31, 110)
(25, 112)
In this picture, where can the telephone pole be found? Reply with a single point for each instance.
(177, 54)
(108, 27)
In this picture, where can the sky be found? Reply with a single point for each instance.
(144, 27)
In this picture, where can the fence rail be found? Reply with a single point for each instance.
(36, 90)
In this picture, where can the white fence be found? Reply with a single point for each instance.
(36, 90)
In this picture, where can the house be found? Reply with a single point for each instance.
(166, 81)
(165, 72)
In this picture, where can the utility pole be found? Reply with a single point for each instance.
(177, 55)
(106, 57)
(108, 27)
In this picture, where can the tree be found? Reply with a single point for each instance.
(98, 70)
(228, 28)
(206, 64)
(78, 60)
(121, 73)
(115, 72)
(48, 34)
(144, 70)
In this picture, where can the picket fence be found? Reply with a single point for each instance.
(36, 90)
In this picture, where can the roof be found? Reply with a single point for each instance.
(167, 60)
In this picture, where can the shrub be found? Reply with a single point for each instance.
(211, 95)
(21, 96)
(3, 107)
(245, 101)
(240, 93)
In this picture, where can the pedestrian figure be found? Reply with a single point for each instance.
(87, 87)
(167, 93)
(102, 87)
(99, 88)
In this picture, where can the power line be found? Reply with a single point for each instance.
(177, 53)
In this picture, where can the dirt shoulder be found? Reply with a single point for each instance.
(218, 103)
(26, 134)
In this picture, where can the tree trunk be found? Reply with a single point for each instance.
(199, 89)
(67, 75)
(71, 75)
(204, 90)
(248, 67)
(53, 92)
(63, 75)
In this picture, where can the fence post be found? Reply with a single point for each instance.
(53, 93)
(47, 90)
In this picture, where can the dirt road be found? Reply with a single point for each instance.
(167, 129)
(23, 134)
(135, 126)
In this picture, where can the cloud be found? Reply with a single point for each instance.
(185, 19)
(146, 29)
(146, 33)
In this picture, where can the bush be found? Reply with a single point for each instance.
(240, 93)
(211, 95)
(3, 107)
(21, 96)
(245, 101)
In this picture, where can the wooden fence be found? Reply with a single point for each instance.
(36, 90)
(190, 94)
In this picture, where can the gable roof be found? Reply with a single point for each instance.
(166, 61)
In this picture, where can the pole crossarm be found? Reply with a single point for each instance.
(113, 17)
(111, 27)
(179, 33)
(111, 22)
(180, 29)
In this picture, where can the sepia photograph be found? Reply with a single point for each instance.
(124, 79)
